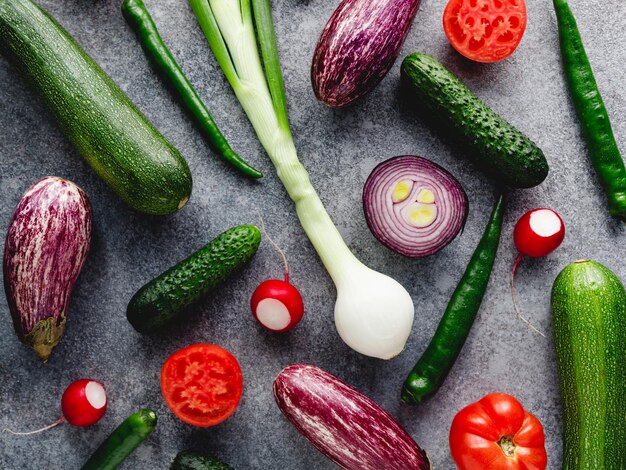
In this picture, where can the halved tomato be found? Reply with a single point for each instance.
(202, 384)
(485, 30)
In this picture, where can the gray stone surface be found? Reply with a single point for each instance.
(339, 148)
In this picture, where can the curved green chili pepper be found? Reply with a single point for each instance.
(433, 367)
(594, 120)
(141, 22)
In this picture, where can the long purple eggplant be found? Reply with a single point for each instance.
(46, 247)
(345, 425)
(358, 46)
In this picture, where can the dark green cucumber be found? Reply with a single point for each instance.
(589, 320)
(169, 295)
(501, 149)
(190, 460)
(115, 138)
(123, 441)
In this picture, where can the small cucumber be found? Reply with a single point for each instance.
(123, 441)
(589, 320)
(190, 460)
(113, 136)
(503, 151)
(166, 297)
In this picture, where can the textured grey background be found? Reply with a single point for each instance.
(339, 148)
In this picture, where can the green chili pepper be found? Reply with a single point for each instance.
(433, 367)
(141, 22)
(592, 114)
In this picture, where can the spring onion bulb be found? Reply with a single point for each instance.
(373, 313)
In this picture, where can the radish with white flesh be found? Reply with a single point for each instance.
(373, 313)
(46, 247)
(346, 426)
(83, 404)
(277, 305)
(537, 234)
(414, 206)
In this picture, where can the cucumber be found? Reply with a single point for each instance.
(503, 151)
(588, 314)
(113, 136)
(169, 295)
(190, 460)
(123, 441)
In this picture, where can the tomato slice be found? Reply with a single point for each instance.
(485, 30)
(202, 384)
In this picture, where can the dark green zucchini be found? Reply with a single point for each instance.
(190, 460)
(169, 295)
(122, 441)
(502, 150)
(589, 320)
(115, 138)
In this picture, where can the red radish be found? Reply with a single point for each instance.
(537, 234)
(277, 305)
(83, 403)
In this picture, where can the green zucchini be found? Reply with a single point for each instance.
(123, 441)
(589, 320)
(113, 136)
(501, 149)
(190, 460)
(171, 294)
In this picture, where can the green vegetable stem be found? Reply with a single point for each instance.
(141, 22)
(594, 120)
(433, 367)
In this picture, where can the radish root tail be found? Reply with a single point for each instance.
(275, 245)
(514, 297)
(56, 423)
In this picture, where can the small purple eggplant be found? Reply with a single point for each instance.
(358, 46)
(46, 247)
(345, 425)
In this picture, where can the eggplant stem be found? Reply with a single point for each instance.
(275, 245)
(514, 297)
(56, 423)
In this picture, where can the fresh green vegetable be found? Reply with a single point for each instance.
(171, 294)
(123, 441)
(433, 366)
(501, 149)
(589, 320)
(140, 20)
(119, 143)
(373, 313)
(190, 460)
(594, 119)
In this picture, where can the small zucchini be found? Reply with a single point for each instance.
(589, 320)
(501, 149)
(123, 441)
(190, 460)
(169, 295)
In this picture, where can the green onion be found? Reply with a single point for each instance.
(373, 313)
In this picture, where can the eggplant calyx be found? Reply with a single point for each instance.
(45, 335)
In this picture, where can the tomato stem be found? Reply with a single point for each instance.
(514, 297)
(507, 445)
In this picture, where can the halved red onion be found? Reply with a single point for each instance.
(414, 206)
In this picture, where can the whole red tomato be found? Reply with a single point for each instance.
(497, 433)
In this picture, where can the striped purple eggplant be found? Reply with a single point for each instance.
(45, 249)
(345, 425)
(358, 46)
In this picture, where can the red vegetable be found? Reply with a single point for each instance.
(414, 206)
(537, 234)
(83, 403)
(46, 247)
(342, 423)
(496, 433)
(485, 30)
(202, 384)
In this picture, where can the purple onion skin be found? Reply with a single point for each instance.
(358, 46)
(346, 426)
(46, 247)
